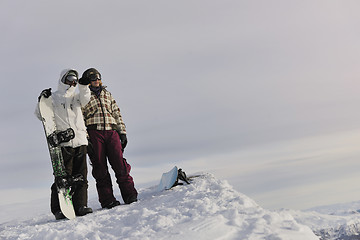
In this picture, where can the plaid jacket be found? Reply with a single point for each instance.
(102, 113)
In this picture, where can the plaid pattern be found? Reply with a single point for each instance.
(103, 112)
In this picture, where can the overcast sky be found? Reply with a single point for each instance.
(256, 92)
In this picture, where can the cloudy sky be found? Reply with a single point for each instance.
(262, 93)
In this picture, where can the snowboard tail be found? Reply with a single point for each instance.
(168, 179)
(65, 201)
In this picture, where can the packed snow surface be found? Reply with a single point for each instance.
(208, 208)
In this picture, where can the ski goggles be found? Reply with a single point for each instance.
(94, 77)
(71, 78)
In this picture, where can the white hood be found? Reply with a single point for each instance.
(67, 109)
(63, 88)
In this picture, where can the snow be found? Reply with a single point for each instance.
(208, 208)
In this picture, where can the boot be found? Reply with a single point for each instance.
(59, 215)
(112, 204)
(83, 210)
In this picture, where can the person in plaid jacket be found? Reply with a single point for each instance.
(107, 141)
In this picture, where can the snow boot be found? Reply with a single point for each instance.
(112, 204)
(59, 215)
(83, 210)
(131, 200)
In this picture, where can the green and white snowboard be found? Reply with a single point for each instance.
(54, 138)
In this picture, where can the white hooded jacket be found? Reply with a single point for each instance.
(67, 109)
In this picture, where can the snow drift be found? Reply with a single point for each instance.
(205, 209)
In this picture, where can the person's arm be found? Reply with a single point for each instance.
(84, 95)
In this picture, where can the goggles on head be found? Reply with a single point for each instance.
(94, 77)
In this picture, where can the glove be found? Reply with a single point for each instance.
(123, 140)
(84, 81)
(45, 93)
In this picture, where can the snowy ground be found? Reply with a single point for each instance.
(208, 208)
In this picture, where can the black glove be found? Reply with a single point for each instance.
(45, 93)
(84, 81)
(123, 140)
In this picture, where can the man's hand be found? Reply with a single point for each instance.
(45, 93)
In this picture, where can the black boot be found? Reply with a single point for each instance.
(83, 210)
(131, 200)
(112, 204)
(59, 215)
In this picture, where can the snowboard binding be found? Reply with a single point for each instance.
(181, 176)
(70, 182)
(58, 137)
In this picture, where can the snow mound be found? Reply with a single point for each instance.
(207, 208)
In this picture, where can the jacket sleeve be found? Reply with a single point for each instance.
(117, 116)
(84, 95)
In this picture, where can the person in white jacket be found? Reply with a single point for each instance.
(68, 114)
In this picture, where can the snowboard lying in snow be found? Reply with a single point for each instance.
(171, 179)
(54, 138)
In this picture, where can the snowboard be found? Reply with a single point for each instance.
(53, 139)
(170, 179)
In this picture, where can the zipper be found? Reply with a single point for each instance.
(102, 110)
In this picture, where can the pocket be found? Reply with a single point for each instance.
(127, 166)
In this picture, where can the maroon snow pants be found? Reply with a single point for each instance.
(107, 148)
